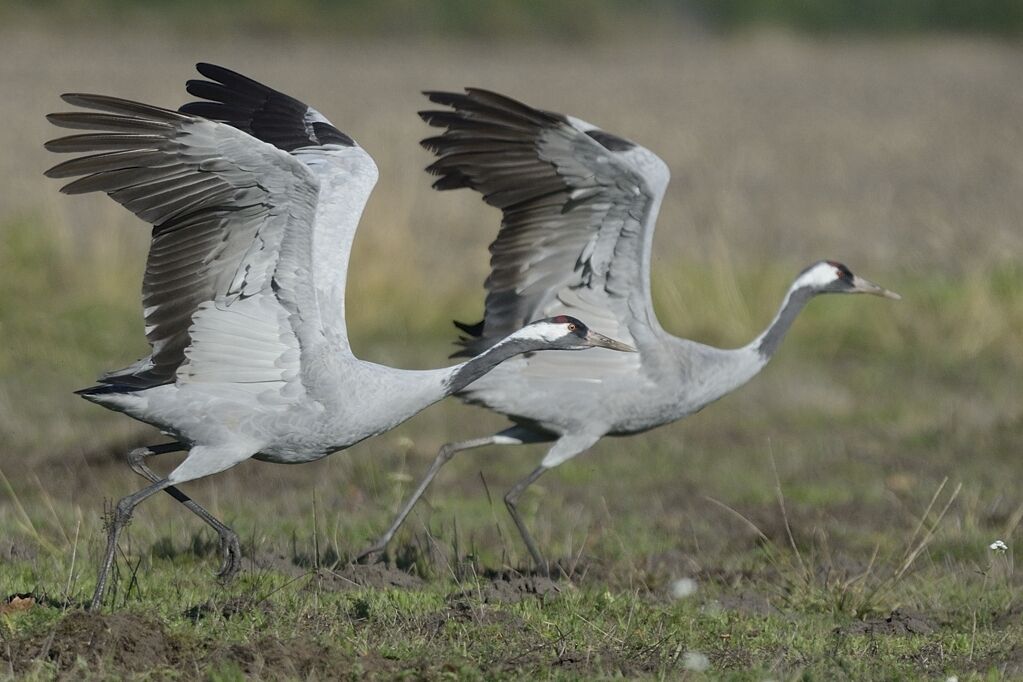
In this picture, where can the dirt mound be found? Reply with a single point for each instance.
(272, 658)
(509, 589)
(357, 576)
(898, 623)
(133, 643)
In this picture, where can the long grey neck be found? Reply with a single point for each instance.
(767, 343)
(464, 374)
(730, 369)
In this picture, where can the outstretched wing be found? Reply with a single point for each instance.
(219, 201)
(234, 291)
(346, 173)
(578, 205)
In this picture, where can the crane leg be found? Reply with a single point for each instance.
(511, 500)
(120, 518)
(512, 436)
(230, 545)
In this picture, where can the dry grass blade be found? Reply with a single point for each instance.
(752, 526)
(785, 516)
(926, 539)
(923, 519)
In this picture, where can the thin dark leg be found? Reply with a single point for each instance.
(230, 545)
(446, 452)
(511, 501)
(121, 517)
(512, 436)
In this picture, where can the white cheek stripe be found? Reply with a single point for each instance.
(817, 276)
(539, 332)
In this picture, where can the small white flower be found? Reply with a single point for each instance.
(953, 678)
(998, 546)
(683, 587)
(695, 661)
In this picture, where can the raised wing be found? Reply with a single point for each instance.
(222, 205)
(346, 173)
(578, 205)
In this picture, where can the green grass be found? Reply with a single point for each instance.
(957, 620)
(805, 521)
(865, 471)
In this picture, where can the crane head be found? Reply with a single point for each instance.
(565, 332)
(832, 277)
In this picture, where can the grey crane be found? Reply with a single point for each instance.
(254, 200)
(579, 207)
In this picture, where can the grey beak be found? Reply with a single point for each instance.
(863, 286)
(600, 341)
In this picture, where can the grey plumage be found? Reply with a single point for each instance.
(579, 206)
(250, 353)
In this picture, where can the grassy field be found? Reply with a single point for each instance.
(834, 516)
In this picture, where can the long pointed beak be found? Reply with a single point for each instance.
(600, 341)
(863, 286)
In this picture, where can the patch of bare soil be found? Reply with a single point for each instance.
(503, 588)
(125, 644)
(272, 658)
(132, 643)
(357, 576)
(900, 622)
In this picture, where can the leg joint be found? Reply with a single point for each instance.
(446, 452)
(122, 512)
(137, 455)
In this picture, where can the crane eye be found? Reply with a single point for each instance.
(571, 326)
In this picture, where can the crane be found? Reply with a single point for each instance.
(579, 205)
(254, 199)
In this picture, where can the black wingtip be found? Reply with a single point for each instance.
(217, 72)
(259, 110)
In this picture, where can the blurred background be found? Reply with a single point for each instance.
(884, 134)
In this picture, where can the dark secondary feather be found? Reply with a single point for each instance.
(260, 111)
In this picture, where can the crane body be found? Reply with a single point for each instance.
(579, 206)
